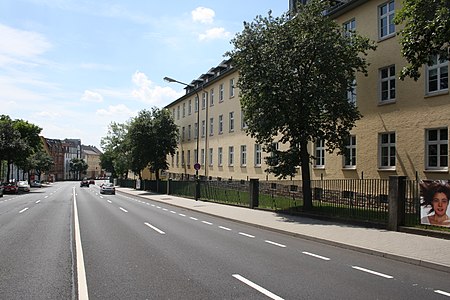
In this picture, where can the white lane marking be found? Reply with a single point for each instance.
(276, 244)
(158, 207)
(123, 209)
(224, 228)
(207, 223)
(154, 228)
(246, 234)
(257, 287)
(165, 209)
(45, 197)
(182, 215)
(23, 210)
(147, 203)
(442, 293)
(315, 255)
(38, 201)
(81, 271)
(192, 218)
(153, 205)
(101, 197)
(174, 212)
(109, 201)
(372, 272)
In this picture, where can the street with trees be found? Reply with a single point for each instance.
(294, 77)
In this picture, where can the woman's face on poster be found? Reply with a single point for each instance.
(440, 204)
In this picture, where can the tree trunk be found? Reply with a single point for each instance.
(306, 176)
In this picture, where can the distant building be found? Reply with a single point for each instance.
(55, 149)
(91, 155)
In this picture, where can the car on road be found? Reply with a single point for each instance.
(23, 186)
(108, 188)
(84, 182)
(92, 181)
(36, 183)
(10, 187)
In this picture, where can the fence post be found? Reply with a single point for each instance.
(254, 193)
(397, 194)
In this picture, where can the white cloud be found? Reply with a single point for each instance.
(203, 15)
(149, 93)
(214, 33)
(19, 45)
(90, 96)
(119, 111)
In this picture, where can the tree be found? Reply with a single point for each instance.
(107, 162)
(294, 75)
(116, 146)
(152, 135)
(426, 33)
(78, 166)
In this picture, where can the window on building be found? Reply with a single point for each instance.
(386, 14)
(211, 97)
(243, 155)
(437, 75)
(196, 155)
(183, 133)
(202, 157)
(173, 113)
(220, 124)
(232, 88)
(204, 99)
(188, 158)
(351, 93)
(210, 157)
(258, 155)
(220, 156)
(230, 155)
(221, 92)
(350, 155)
(196, 131)
(182, 158)
(178, 158)
(349, 27)
(231, 121)
(387, 150)
(243, 123)
(184, 109)
(211, 126)
(203, 128)
(387, 84)
(189, 132)
(319, 150)
(196, 104)
(437, 149)
(189, 107)
(178, 112)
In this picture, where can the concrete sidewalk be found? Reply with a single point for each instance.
(415, 249)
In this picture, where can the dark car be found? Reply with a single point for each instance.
(10, 187)
(84, 182)
(92, 181)
(108, 188)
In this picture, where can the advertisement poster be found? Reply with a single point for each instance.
(434, 197)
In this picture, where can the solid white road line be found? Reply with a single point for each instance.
(123, 209)
(81, 271)
(373, 272)
(154, 228)
(23, 210)
(315, 255)
(257, 287)
(442, 293)
(246, 234)
(207, 223)
(225, 228)
(276, 244)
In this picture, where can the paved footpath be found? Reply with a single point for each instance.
(411, 248)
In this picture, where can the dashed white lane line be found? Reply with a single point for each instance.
(275, 244)
(39, 201)
(225, 228)
(109, 201)
(192, 218)
(165, 209)
(247, 235)
(257, 287)
(315, 255)
(174, 212)
(23, 210)
(207, 223)
(45, 197)
(442, 293)
(154, 228)
(372, 272)
(182, 215)
(123, 209)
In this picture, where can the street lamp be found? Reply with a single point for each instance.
(197, 165)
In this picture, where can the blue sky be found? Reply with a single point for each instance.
(74, 66)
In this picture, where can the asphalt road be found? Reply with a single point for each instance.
(136, 249)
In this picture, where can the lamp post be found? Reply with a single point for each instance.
(197, 165)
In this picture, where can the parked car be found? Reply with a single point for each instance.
(10, 187)
(84, 182)
(23, 186)
(36, 183)
(108, 188)
(92, 181)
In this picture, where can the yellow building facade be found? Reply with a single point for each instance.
(403, 131)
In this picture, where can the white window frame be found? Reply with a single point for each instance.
(389, 81)
(349, 161)
(211, 126)
(204, 99)
(231, 156)
(220, 156)
(231, 87)
(387, 150)
(243, 123)
(196, 155)
(211, 153)
(196, 130)
(231, 121)
(441, 149)
(189, 107)
(221, 94)
(211, 97)
(220, 124)
(203, 128)
(243, 155)
(388, 16)
(441, 68)
(349, 27)
(202, 156)
(319, 152)
(196, 103)
(258, 155)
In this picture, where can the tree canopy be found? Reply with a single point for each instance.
(294, 75)
(426, 33)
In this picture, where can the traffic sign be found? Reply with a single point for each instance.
(197, 166)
